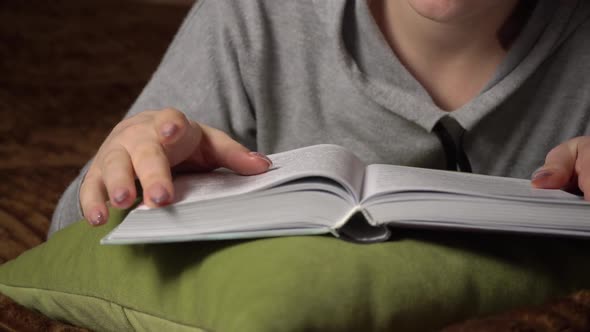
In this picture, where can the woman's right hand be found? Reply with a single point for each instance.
(146, 147)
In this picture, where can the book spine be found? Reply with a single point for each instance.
(347, 217)
(372, 221)
(335, 228)
(357, 227)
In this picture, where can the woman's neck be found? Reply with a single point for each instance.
(452, 54)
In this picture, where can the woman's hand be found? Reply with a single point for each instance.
(566, 166)
(146, 147)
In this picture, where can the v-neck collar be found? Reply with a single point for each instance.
(374, 69)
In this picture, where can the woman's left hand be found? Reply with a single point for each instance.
(566, 166)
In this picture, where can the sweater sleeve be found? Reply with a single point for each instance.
(200, 75)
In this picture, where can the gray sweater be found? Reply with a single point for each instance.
(282, 74)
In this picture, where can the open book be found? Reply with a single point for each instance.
(327, 189)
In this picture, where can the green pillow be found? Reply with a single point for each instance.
(419, 281)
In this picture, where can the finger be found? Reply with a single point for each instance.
(119, 178)
(153, 171)
(558, 169)
(93, 197)
(217, 149)
(205, 147)
(178, 138)
(583, 168)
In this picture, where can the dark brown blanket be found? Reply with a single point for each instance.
(70, 68)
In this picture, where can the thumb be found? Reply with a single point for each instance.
(559, 168)
(217, 149)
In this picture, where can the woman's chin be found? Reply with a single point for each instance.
(450, 10)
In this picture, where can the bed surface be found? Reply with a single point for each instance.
(71, 69)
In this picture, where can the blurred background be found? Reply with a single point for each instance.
(69, 69)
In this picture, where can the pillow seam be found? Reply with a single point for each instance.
(105, 300)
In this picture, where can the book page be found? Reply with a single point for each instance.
(385, 179)
(328, 161)
(273, 212)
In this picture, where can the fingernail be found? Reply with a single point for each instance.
(159, 194)
(541, 174)
(262, 157)
(169, 129)
(97, 218)
(120, 195)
